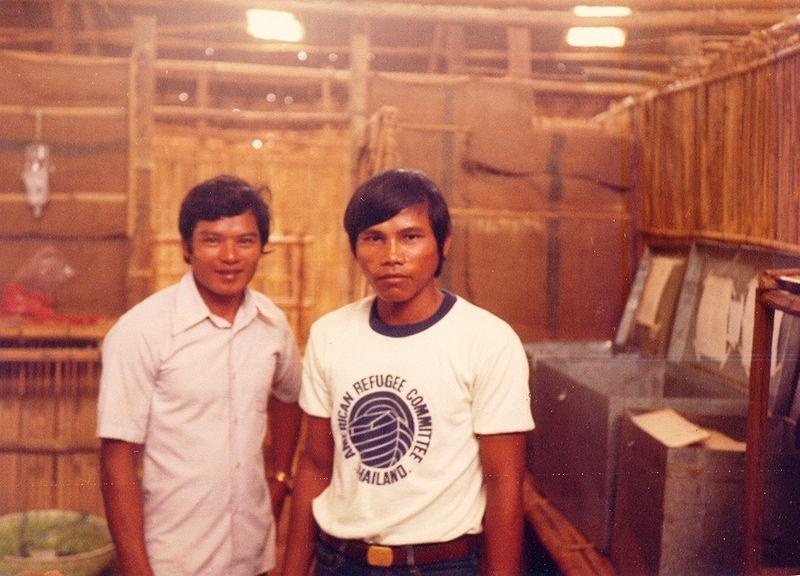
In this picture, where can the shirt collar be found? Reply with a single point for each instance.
(190, 309)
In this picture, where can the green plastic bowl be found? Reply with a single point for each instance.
(73, 543)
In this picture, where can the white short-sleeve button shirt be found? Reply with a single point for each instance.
(193, 389)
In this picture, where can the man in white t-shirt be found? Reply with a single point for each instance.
(192, 377)
(417, 408)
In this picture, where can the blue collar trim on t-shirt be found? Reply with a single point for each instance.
(403, 330)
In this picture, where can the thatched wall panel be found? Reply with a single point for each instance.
(46, 80)
(592, 278)
(513, 189)
(502, 264)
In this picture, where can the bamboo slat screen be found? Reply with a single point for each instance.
(720, 156)
(306, 174)
(48, 403)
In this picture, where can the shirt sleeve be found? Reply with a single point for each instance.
(130, 366)
(315, 398)
(501, 394)
(288, 371)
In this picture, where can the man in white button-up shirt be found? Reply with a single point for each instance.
(192, 376)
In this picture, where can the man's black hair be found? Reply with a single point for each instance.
(385, 194)
(220, 197)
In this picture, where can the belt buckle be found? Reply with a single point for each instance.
(381, 556)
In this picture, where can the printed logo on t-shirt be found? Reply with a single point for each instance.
(387, 424)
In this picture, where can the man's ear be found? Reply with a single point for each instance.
(186, 247)
(446, 246)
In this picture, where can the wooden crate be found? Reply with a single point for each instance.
(578, 402)
(49, 378)
(680, 510)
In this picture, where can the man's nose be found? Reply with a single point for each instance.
(230, 252)
(394, 252)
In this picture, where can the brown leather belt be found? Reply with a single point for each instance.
(385, 556)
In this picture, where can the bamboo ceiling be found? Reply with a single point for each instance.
(667, 40)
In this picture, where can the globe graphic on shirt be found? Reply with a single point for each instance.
(381, 428)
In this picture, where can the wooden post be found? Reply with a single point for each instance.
(756, 433)
(519, 52)
(141, 128)
(436, 49)
(62, 40)
(456, 49)
(203, 97)
(90, 27)
(359, 68)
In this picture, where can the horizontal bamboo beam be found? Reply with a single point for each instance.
(608, 89)
(277, 117)
(530, 4)
(626, 74)
(64, 111)
(80, 197)
(27, 333)
(166, 68)
(54, 446)
(420, 127)
(274, 239)
(537, 215)
(705, 19)
(49, 354)
(789, 248)
(63, 59)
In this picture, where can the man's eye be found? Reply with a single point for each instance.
(209, 240)
(247, 241)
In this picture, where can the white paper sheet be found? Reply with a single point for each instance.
(747, 324)
(670, 428)
(711, 330)
(735, 322)
(658, 275)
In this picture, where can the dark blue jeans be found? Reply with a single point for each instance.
(331, 562)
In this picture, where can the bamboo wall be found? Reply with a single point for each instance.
(48, 387)
(306, 269)
(720, 155)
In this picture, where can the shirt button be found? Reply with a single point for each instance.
(238, 465)
(235, 419)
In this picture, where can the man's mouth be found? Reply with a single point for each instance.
(228, 275)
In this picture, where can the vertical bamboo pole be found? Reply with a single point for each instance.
(141, 129)
(359, 68)
(203, 98)
(456, 49)
(62, 41)
(519, 52)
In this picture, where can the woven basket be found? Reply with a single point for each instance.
(73, 543)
